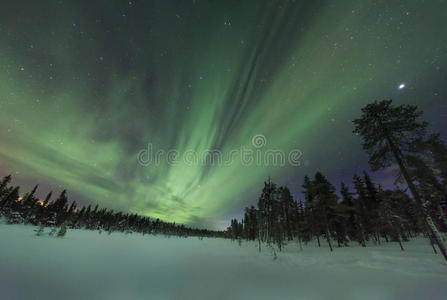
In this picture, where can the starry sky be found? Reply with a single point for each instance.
(85, 86)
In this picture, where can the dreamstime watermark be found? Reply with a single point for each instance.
(214, 157)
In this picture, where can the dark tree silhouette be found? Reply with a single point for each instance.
(29, 209)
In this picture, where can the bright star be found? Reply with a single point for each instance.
(401, 86)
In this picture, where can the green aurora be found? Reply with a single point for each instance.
(85, 87)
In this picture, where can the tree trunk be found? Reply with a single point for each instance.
(433, 230)
(328, 237)
(400, 242)
(362, 237)
(432, 244)
(378, 238)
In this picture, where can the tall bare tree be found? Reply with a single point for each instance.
(389, 133)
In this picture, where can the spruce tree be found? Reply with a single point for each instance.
(325, 206)
(42, 213)
(267, 210)
(4, 185)
(309, 211)
(363, 221)
(372, 206)
(392, 221)
(10, 198)
(352, 228)
(388, 133)
(28, 204)
(299, 221)
(286, 211)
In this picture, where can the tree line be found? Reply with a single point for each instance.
(59, 213)
(392, 136)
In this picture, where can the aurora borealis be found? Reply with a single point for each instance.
(86, 85)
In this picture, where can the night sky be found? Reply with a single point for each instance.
(86, 85)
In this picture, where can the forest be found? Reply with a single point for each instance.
(59, 214)
(391, 135)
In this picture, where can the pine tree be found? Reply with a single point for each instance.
(10, 198)
(353, 228)
(234, 227)
(299, 222)
(286, 211)
(325, 206)
(390, 216)
(387, 131)
(58, 209)
(309, 212)
(28, 204)
(363, 221)
(372, 206)
(4, 186)
(250, 223)
(246, 222)
(266, 206)
(71, 212)
(42, 213)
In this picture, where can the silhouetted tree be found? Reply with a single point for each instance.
(325, 206)
(353, 225)
(309, 213)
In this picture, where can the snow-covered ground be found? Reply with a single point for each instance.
(88, 265)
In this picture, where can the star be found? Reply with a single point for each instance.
(401, 86)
